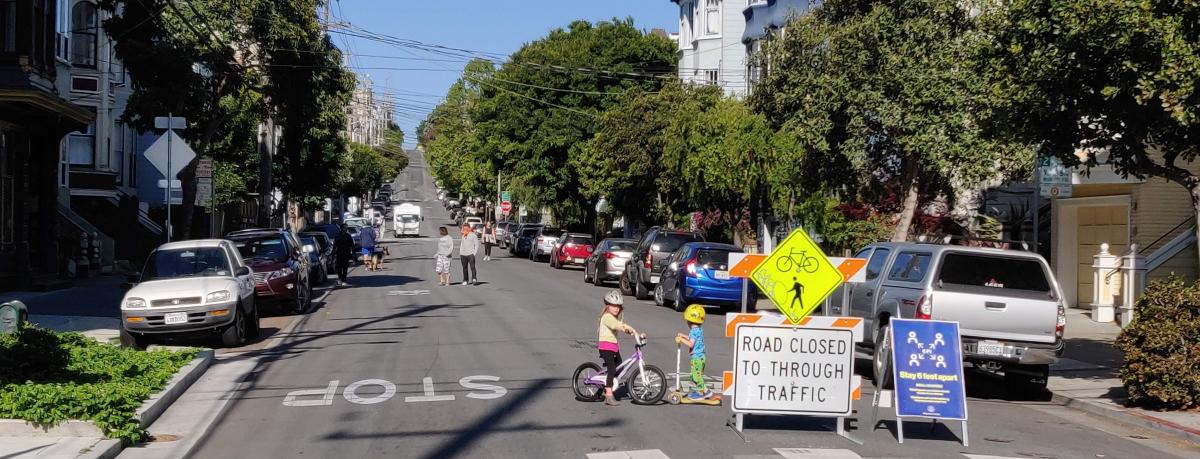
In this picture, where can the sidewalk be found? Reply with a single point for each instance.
(1086, 379)
(98, 296)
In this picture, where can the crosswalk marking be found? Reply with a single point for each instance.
(806, 453)
(640, 454)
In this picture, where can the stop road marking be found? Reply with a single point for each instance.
(325, 396)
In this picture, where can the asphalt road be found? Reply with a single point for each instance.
(397, 366)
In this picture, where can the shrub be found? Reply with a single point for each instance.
(84, 380)
(1162, 347)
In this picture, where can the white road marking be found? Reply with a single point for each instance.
(326, 396)
(493, 391)
(351, 395)
(429, 396)
(803, 453)
(639, 454)
(408, 292)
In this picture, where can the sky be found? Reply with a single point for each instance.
(419, 78)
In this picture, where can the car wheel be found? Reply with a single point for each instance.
(324, 275)
(881, 361)
(301, 302)
(623, 282)
(640, 291)
(597, 279)
(136, 341)
(680, 302)
(658, 295)
(235, 334)
(587, 279)
(253, 328)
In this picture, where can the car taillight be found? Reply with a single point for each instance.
(1061, 325)
(646, 262)
(570, 244)
(690, 267)
(610, 255)
(588, 248)
(925, 307)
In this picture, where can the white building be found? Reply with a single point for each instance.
(710, 44)
(367, 116)
(764, 19)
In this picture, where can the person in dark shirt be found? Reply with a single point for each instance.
(343, 251)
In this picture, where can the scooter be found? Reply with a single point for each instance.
(678, 396)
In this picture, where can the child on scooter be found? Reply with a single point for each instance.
(694, 315)
(611, 322)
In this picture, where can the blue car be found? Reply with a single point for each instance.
(698, 272)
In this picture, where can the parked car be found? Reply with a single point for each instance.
(320, 259)
(477, 228)
(187, 288)
(501, 234)
(572, 249)
(524, 240)
(608, 260)
(1009, 307)
(543, 242)
(649, 257)
(331, 230)
(358, 222)
(472, 220)
(355, 236)
(699, 273)
(280, 265)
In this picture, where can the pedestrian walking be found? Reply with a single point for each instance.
(466, 253)
(445, 249)
(489, 239)
(611, 322)
(366, 238)
(343, 251)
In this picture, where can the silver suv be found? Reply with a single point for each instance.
(1009, 307)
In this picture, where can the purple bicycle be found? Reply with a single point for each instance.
(646, 384)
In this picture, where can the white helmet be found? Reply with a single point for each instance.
(615, 298)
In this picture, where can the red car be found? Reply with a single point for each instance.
(572, 249)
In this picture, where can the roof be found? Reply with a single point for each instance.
(939, 248)
(711, 245)
(254, 232)
(576, 235)
(190, 244)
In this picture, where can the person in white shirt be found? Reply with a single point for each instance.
(445, 250)
(466, 253)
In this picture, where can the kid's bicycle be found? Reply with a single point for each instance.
(646, 384)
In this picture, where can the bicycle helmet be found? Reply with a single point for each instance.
(694, 314)
(615, 298)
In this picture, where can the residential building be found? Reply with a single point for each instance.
(710, 44)
(765, 19)
(367, 116)
(34, 117)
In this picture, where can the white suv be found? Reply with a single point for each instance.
(198, 287)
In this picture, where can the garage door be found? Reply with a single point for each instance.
(1099, 225)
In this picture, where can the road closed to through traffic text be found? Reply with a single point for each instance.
(780, 369)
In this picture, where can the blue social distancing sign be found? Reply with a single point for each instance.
(928, 369)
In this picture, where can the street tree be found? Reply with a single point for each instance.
(877, 98)
(1115, 81)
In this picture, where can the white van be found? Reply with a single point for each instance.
(406, 219)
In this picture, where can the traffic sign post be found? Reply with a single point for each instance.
(797, 276)
(160, 156)
(506, 207)
(928, 373)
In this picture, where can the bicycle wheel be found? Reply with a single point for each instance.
(784, 264)
(810, 265)
(585, 392)
(650, 391)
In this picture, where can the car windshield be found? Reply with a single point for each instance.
(409, 219)
(581, 240)
(529, 232)
(994, 272)
(311, 240)
(356, 222)
(197, 262)
(551, 232)
(619, 246)
(671, 242)
(264, 248)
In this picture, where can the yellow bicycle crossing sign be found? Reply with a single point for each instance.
(796, 276)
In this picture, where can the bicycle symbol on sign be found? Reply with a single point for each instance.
(803, 262)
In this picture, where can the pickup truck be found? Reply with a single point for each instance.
(1009, 307)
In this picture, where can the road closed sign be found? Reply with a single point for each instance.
(781, 369)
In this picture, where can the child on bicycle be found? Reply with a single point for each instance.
(611, 322)
(694, 315)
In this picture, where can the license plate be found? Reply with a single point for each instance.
(172, 318)
(721, 275)
(989, 348)
(653, 279)
(580, 260)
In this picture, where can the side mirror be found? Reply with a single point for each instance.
(242, 271)
(308, 248)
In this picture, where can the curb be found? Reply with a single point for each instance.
(158, 403)
(1128, 417)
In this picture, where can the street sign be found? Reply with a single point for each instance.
(204, 191)
(506, 207)
(175, 184)
(797, 276)
(1054, 179)
(523, 212)
(204, 168)
(783, 369)
(505, 196)
(927, 356)
(170, 122)
(181, 154)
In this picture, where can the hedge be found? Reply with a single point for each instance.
(57, 377)
(1162, 347)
